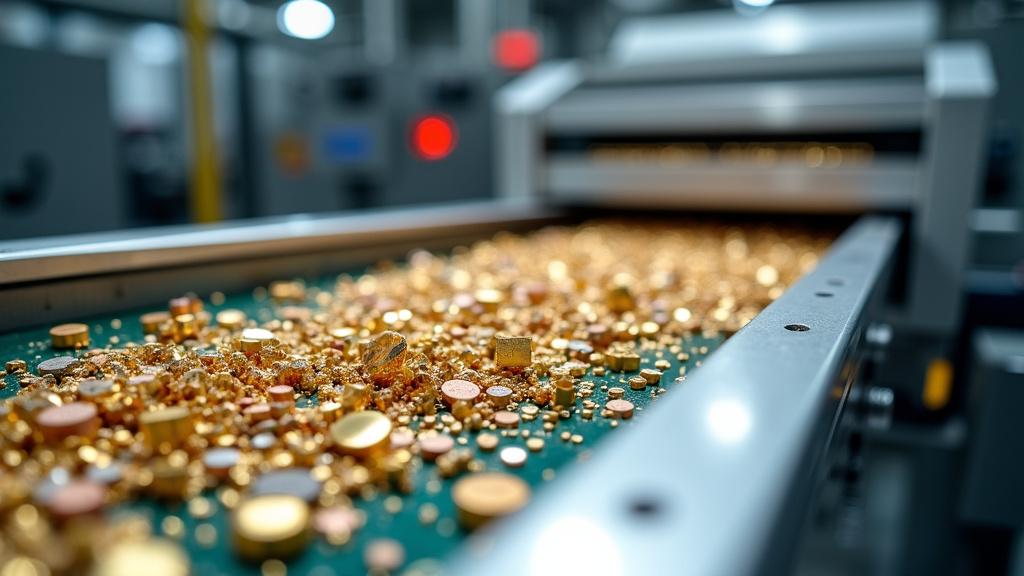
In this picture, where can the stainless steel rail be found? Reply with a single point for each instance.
(59, 278)
(117, 252)
(719, 478)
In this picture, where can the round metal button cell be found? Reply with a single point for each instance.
(513, 457)
(58, 366)
(506, 419)
(499, 395)
(434, 445)
(73, 419)
(620, 408)
(293, 481)
(459, 390)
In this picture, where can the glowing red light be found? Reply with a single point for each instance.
(434, 137)
(516, 49)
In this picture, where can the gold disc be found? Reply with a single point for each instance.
(362, 434)
(271, 526)
(159, 557)
(231, 319)
(484, 496)
(69, 336)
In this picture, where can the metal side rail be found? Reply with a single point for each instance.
(54, 279)
(719, 477)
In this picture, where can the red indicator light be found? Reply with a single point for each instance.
(433, 137)
(516, 49)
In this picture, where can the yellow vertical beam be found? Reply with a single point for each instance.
(205, 191)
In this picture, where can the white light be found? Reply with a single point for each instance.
(729, 421)
(548, 556)
(306, 19)
(751, 7)
(155, 44)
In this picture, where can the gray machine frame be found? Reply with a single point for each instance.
(943, 89)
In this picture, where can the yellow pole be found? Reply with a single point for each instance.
(205, 197)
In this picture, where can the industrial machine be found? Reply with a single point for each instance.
(820, 111)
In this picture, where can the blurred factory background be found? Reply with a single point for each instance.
(128, 113)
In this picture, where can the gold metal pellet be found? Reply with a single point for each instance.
(630, 362)
(489, 299)
(487, 442)
(565, 393)
(513, 351)
(15, 366)
(231, 319)
(482, 497)
(170, 426)
(69, 336)
(535, 444)
(362, 434)
(152, 321)
(651, 376)
(160, 557)
(384, 356)
(329, 384)
(186, 326)
(270, 526)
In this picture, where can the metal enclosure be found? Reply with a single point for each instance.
(995, 471)
(349, 114)
(864, 121)
(59, 165)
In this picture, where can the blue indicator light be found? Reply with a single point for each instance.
(349, 144)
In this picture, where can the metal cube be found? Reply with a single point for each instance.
(513, 351)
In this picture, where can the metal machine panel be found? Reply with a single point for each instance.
(58, 148)
(821, 29)
(889, 184)
(861, 104)
(995, 471)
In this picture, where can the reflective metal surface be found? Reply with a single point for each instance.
(719, 477)
(59, 278)
(65, 256)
